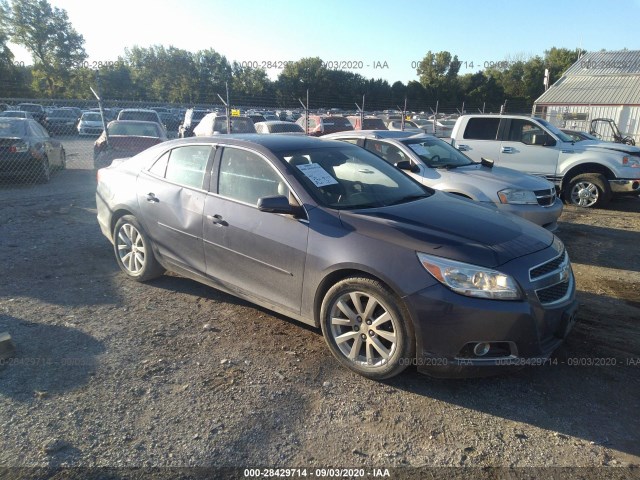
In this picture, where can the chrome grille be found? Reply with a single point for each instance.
(546, 198)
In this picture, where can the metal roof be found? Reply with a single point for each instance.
(598, 78)
(594, 90)
(607, 63)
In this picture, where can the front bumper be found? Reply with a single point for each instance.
(625, 185)
(546, 217)
(525, 332)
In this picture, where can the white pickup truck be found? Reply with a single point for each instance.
(586, 174)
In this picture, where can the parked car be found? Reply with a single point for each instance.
(16, 114)
(170, 122)
(90, 124)
(587, 174)
(141, 114)
(393, 272)
(369, 122)
(279, 126)
(433, 162)
(126, 138)
(323, 124)
(191, 119)
(408, 126)
(214, 123)
(255, 117)
(27, 150)
(35, 109)
(62, 121)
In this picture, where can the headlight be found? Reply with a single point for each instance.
(630, 162)
(517, 197)
(471, 280)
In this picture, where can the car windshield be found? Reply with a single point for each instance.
(373, 124)
(63, 113)
(555, 130)
(351, 178)
(92, 117)
(134, 129)
(13, 114)
(139, 115)
(12, 129)
(285, 128)
(238, 125)
(30, 108)
(436, 153)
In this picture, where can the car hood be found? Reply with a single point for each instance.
(451, 227)
(503, 177)
(591, 145)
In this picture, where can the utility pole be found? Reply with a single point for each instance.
(104, 122)
(306, 113)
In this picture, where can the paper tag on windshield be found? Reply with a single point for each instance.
(318, 175)
(419, 149)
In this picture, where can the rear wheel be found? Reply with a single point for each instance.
(366, 328)
(43, 171)
(588, 190)
(133, 250)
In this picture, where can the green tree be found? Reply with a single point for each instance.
(298, 77)
(438, 74)
(56, 48)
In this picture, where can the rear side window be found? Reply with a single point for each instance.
(482, 129)
(187, 165)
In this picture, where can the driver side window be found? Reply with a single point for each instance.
(390, 153)
(524, 131)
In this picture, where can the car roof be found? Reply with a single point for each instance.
(275, 143)
(377, 134)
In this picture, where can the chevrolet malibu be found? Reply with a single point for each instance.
(394, 273)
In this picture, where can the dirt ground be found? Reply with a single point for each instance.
(112, 373)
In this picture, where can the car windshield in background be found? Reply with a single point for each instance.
(92, 117)
(373, 124)
(437, 154)
(134, 129)
(12, 129)
(350, 178)
(285, 128)
(337, 121)
(556, 131)
(62, 113)
(238, 125)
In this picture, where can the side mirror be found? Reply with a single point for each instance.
(485, 162)
(276, 204)
(404, 165)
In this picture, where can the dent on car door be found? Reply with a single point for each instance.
(171, 199)
(256, 253)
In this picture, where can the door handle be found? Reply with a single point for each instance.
(217, 220)
(151, 198)
(507, 150)
(463, 148)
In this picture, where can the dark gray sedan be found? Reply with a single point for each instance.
(393, 272)
(27, 150)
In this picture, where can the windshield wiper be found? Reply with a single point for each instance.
(409, 198)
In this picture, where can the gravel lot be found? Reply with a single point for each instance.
(111, 373)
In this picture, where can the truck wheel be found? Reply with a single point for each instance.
(588, 190)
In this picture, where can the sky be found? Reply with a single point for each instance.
(375, 38)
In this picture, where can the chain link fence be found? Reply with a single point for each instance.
(39, 138)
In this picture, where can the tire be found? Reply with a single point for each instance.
(588, 190)
(133, 250)
(63, 159)
(377, 349)
(43, 173)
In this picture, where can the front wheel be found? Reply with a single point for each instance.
(589, 190)
(366, 328)
(133, 250)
